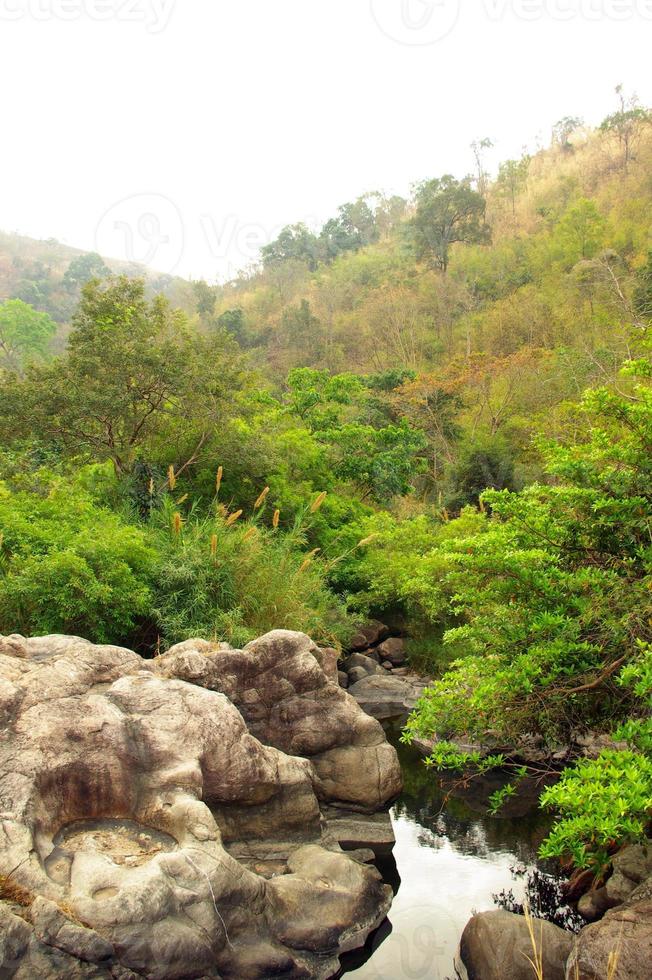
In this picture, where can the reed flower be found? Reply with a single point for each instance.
(249, 534)
(213, 545)
(261, 499)
(308, 560)
(232, 518)
(177, 523)
(218, 479)
(275, 518)
(317, 502)
(366, 541)
(172, 480)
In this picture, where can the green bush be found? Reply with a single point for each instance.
(68, 565)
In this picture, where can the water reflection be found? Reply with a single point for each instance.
(449, 861)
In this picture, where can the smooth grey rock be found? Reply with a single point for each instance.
(357, 674)
(362, 661)
(343, 679)
(385, 695)
(353, 831)
(496, 946)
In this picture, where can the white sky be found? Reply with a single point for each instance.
(184, 133)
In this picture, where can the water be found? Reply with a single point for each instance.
(450, 859)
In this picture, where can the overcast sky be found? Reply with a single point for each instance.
(184, 133)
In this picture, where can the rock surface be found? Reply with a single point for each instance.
(127, 786)
(496, 946)
(619, 946)
(386, 695)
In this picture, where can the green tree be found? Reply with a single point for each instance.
(294, 242)
(447, 211)
(581, 230)
(25, 334)
(352, 229)
(83, 268)
(131, 371)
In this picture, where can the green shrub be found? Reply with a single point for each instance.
(68, 565)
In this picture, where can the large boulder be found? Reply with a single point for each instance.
(619, 946)
(287, 702)
(127, 787)
(498, 946)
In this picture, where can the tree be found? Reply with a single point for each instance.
(479, 148)
(294, 242)
(563, 130)
(302, 330)
(25, 334)
(512, 178)
(83, 268)
(626, 123)
(447, 211)
(131, 371)
(643, 291)
(581, 230)
(354, 227)
(205, 297)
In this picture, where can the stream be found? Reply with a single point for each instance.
(448, 862)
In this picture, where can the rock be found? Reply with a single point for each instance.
(327, 659)
(369, 635)
(385, 695)
(625, 935)
(357, 674)
(343, 679)
(353, 831)
(387, 665)
(592, 744)
(593, 904)
(363, 662)
(631, 866)
(496, 946)
(393, 650)
(287, 703)
(133, 777)
(54, 928)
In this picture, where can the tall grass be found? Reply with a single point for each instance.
(229, 576)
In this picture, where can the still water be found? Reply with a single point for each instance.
(450, 859)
